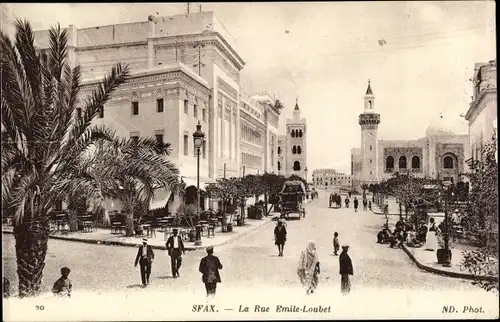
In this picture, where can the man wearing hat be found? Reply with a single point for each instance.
(145, 257)
(175, 248)
(209, 267)
(345, 264)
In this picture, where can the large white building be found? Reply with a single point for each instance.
(482, 113)
(292, 147)
(440, 154)
(185, 69)
(330, 179)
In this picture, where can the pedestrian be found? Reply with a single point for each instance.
(349, 194)
(308, 268)
(345, 264)
(336, 244)
(356, 204)
(63, 286)
(6, 288)
(347, 202)
(365, 203)
(175, 249)
(370, 205)
(280, 236)
(145, 257)
(209, 267)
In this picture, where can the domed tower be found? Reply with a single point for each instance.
(369, 121)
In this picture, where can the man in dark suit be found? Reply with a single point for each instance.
(175, 248)
(145, 257)
(209, 267)
(345, 264)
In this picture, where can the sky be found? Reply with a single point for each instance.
(419, 57)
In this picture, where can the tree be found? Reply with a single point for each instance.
(41, 140)
(365, 187)
(482, 217)
(225, 190)
(128, 170)
(273, 184)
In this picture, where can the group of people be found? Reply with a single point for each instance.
(336, 199)
(308, 268)
(405, 233)
(209, 265)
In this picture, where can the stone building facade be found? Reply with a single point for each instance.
(482, 113)
(440, 154)
(330, 179)
(185, 69)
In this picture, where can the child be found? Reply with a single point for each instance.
(336, 244)
(63, 286)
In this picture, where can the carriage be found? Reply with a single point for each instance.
(335, 200)
(292, 196)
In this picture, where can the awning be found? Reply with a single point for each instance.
(160, 198)
(193, 182)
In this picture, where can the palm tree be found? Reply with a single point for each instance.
(125, 169)
(42, 139)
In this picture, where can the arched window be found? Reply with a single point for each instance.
(300, 133)
(389, 163)
(279, 166)
(279, 150)
(448, 162)
(293, 133)
(299, 149)
(415, 162)
(294, 149)
(370, 147)
(296, 166)
(402, 162)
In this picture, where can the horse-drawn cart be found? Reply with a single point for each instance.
(292, 196)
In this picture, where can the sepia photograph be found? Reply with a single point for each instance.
(195, 161)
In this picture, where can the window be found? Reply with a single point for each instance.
(59, 205)
(415, 162)
(448, 162)
(389, 163)
(101, 112)
(370, 147)
(134, 138)
(279, 166)
(135, 108)
(159, 138)
(79, 112)
(159, 105)
(402, 162)
(300, 133)
(195, 111)
(370, 173)
(294, 149)
(299, 150)
(185, 106)
(296, 166)
(204, 115)
(279, 150)
(370, 160)
(293, 133)
(186, 144)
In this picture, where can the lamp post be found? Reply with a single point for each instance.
(446, 259)
(199, 141)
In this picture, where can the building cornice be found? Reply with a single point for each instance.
(476, 107)
(111, 46)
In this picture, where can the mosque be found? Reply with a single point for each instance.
(441, 154)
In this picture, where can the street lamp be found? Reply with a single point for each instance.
(199, 141)
(446, 252)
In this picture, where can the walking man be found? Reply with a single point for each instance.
(356, 204)
(345, 264)
(145, 257)
(365, 203)
(175, 248)
(209, 267)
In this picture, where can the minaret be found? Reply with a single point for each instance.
(369, 120)
(296, 110)
(296, 154)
